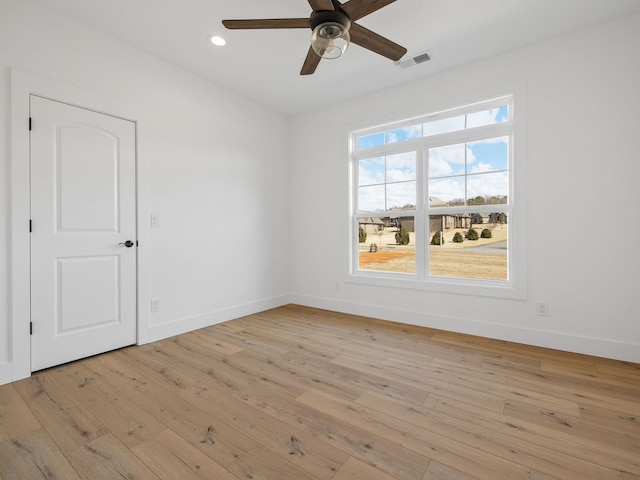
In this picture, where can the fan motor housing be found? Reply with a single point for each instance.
(329, 16)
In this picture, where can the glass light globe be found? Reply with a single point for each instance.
(330, 40)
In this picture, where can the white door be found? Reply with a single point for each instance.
(83, 276)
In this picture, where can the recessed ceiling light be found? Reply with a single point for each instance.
(217, 40)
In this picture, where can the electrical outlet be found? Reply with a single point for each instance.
(337, 286)
(155, 305)
(542, 309)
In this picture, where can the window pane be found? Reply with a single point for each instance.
(446, 192)
(371, 199)
(403, 134)
(387, 244)
(369, 141)
(401, 196)
(445, 125)
(371, 171)
(446, 161)
(488, 117)
(488, 188)
(488, 155)
(456, 251)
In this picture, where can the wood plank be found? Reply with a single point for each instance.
(34, 455)
(205, 364)
(211, 436)
(354, 469)
(387, 456)
(62, 416)
(112, 368)
(260, 464)
(567, 442)
(106, 458)
(438, 471)
(130, 423)
(15, 417)
(451, 451)
(509, 387)
(432, 380)
(312, 455)
(503, 442)
(559, 422)
(171, 456)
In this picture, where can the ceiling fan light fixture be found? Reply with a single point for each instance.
(330, 40)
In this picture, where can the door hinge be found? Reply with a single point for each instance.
(30, 328)
(30, 226)
(29, 123)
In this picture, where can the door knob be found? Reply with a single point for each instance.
(127, 244)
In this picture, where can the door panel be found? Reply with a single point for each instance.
(87, 293)
(87, 190)
(83, 283)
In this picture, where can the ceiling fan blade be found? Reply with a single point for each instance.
(321, 5)
(267, 23)
(356, 9)
(376, 43)
(310, 63)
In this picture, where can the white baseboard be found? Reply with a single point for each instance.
(613, 349)
(184, 325)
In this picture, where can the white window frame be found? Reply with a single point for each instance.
(515, 287)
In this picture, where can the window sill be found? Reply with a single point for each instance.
(484, 288)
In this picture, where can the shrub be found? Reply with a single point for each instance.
(402, 237)
(486, 233)
(435, 240)
(472, 234)
(362, 235)
(457, 238)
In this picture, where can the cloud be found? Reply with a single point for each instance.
(449, 160)
(401, 167)
(371, 199)
(480, 168)
(371, 171)
(402, 134)
(445, 125)
(487, 117)
(488, 185)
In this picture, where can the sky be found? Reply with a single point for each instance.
(389, 182)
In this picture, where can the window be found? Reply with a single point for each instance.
(432, 200)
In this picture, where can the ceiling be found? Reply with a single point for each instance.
(264, 64)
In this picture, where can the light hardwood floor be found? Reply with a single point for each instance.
(303, 394)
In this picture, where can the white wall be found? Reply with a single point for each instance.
(215, 169)
(582, 125)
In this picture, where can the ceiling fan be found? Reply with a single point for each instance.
(333, 28)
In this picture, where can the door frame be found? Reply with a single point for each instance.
(23, 85)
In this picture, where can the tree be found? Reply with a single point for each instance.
(402, 237)
(457, 238)
(486, 233)
(362, 235)
(472, 234)
(437, 239)
(479, 200)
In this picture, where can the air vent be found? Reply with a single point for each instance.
(416, 60)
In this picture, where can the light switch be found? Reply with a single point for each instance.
(155, 220)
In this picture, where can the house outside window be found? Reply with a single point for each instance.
(432, 201)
